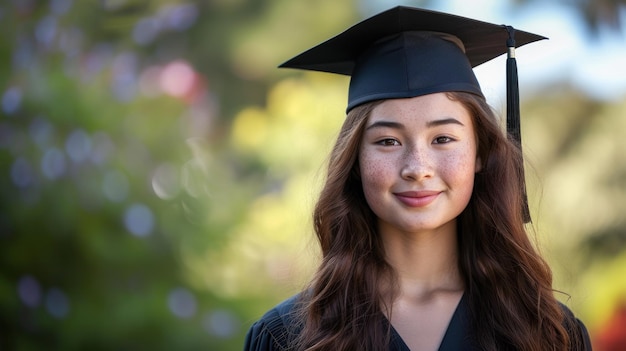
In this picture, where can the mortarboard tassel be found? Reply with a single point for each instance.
(513, 126)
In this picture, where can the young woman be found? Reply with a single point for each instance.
(421, 218)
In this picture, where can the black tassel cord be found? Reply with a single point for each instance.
(513, 126)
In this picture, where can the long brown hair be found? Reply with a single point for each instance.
(508, 284)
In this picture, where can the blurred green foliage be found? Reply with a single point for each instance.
(157, 173)
(123, 193)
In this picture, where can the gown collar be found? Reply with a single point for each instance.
(457, 336)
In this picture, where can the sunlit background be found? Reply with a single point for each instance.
(157, 171)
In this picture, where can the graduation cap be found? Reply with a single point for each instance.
(407, 52)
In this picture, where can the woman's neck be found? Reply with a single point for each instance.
(425, 263)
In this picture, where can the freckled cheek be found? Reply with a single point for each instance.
(459, 171)
(375, 173)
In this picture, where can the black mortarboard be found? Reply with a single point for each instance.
(406, 52)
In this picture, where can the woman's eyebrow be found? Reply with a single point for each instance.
(385, 124)
(429, 124)
(439, 122)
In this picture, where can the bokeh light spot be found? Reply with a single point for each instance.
(95, 60)
(41, 131)
(53, 163)
(59, 7)
(221, 323)
(146, 30)
(57, 303)
(250, 129)
(165, 181)
(177, 78)
(182, 303)
(115, 186)
(23, 54)
(124, 87)
(78, 145)
(29, 291)
(11, 100)
(124, 76)
(194, 179)
(139, 220)
(181, 17)
(22, 173)
(46, 30)
(70, 41)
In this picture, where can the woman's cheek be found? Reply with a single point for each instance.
(375, 173)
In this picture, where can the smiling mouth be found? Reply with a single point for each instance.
(417, 198)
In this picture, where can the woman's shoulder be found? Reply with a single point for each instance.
(577, 330)
(275, 329)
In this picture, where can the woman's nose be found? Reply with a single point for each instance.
(416, 164)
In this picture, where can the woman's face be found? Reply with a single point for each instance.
(417, 162)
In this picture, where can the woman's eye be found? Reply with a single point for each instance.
(443, 140)
(389, 142)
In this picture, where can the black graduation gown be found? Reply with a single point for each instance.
(274, 330)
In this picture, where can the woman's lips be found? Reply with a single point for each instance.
(417, 198)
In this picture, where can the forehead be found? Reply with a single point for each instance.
(421, 108)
